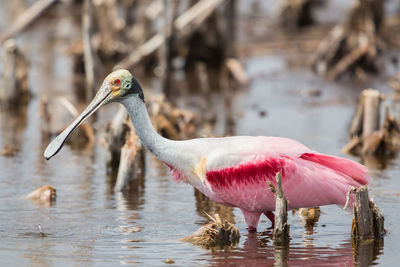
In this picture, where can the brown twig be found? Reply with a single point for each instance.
(26, 18)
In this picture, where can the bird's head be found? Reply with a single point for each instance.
(117, 85)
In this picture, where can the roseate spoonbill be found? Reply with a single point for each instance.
(232, 170)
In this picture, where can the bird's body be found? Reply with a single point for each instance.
(234, 171)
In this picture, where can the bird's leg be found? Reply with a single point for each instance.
(252, 229)
(270, 215)
(251, 219)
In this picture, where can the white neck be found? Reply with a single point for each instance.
(166, 150)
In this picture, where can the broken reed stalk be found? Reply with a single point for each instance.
(131, 164)
(188, 22)
(170, 13)
(32, 13)
(236, 69)
(368, 222)
(281, 228)
(87, 19)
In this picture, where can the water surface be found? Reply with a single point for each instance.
(91, 225)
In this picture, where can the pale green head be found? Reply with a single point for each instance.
(116, 86)
(122, 83)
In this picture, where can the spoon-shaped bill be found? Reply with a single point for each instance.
(101, 98)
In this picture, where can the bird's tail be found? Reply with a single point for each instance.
(352, 169)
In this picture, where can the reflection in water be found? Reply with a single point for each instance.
(90, 231)
(131, 199)
(309, 220)
(367, 251)
(36, 253)
(281, 255)
(205, 206)
(128, 203)
(376, 163)
(257, 253)
(13, 124)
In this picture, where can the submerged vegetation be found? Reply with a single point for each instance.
(219, 234)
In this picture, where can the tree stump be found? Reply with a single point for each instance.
(115, 138)
(45, 119)
(131, 164)
(368, 138)
(368, 222)
(169, 121)
(294, 14)
(14, 89)
(353, 46)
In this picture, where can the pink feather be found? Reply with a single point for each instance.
(348, 167)
(239, 169)
(308, 180)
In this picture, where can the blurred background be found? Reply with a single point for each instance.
(290, 68)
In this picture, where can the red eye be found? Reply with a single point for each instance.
(117, 81)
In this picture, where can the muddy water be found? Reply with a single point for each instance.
(91, 225)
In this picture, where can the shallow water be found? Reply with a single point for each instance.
(91, 225)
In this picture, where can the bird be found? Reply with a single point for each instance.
(234, 171)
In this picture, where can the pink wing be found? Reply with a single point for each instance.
(345, 166)
(309, 180)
